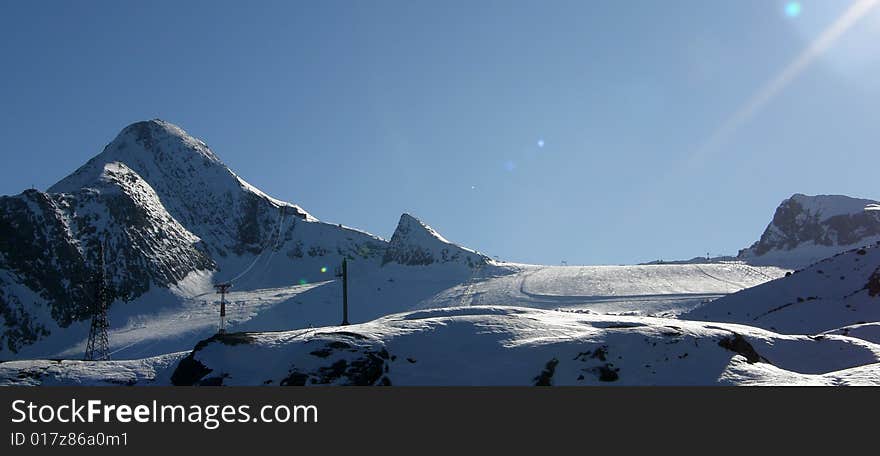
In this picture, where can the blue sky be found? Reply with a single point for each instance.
(359, 111)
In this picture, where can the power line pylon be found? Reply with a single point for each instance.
(98, 345)
(222, 289)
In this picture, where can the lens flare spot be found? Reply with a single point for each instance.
(303, 282)
(793, 9)
(324, 269)
(540, 143)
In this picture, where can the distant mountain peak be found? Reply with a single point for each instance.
(416, 243)
(193, 184)
(155, 149)
(808, 228)
(827, 206)
(409, 226)
(152, 133)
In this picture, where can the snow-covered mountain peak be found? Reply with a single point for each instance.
(115, 175)
(157, 131)
(412, 229)
(193, 184)
(827, 206)
(416, 243)
(153, 148)
(808, 228)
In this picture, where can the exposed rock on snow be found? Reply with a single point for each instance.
(415, 243)
(196, 188)
(806, 229)
(49, 244)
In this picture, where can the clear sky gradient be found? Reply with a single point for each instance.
(538, 131)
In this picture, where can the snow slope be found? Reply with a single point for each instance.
(167, 320)
(145, 328)
(141, 372)
(834, 293)
(666, 289)
(518, 346)
(489, 346)
(864, 331)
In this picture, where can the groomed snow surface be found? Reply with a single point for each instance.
(501, 324)
(166, 321)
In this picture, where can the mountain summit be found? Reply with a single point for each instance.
(416, 243)
(196, 188)
(806, 229)
(175, 220)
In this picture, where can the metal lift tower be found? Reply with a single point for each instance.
(98, 346)
(344, 274)
(222, 289)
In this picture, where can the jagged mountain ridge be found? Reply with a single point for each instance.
(49, 243)
(416, 243)
(167, 207)
(806, 229)
(196, 188)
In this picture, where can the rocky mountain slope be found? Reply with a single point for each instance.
(173, 218)
(195, 187)
(49, 244)
(806, 229)
(416, 244)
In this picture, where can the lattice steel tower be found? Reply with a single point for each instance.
(98, 346)
(222, 289)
